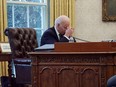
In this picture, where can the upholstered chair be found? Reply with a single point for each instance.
(22, 40)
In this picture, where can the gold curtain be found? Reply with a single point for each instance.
(3, 25)
(62, 7)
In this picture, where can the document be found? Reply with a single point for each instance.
(46, 47)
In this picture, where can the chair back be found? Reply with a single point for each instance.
(22, 40)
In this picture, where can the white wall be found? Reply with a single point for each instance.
(89, 24)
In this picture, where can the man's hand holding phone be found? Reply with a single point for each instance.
(69, 32)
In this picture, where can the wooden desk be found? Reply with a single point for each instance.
(63, 69)
(5, 56)
(72, 69)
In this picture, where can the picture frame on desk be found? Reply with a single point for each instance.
(109, 10)
(5, 47)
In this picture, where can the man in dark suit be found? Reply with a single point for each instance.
(60, 32)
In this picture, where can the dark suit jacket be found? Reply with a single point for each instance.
(50, 37)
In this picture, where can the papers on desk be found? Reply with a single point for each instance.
(46, 47)
(5, 47)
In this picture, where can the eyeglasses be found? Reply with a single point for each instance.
(64, 27)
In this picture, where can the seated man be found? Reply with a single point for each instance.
(60, 32)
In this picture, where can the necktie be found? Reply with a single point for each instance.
(60, 36)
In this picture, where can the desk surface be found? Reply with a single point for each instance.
(5, 56)
(45, 52)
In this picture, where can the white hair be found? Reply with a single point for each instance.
(62, 19)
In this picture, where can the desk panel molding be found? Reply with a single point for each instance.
(72, 59)
(61, 70)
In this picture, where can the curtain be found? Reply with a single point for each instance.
(3, 25)
(62, 7)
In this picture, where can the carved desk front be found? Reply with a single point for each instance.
(72, 69)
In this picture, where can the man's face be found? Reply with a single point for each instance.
(63, 27)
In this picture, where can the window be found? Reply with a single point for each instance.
(28, 13)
